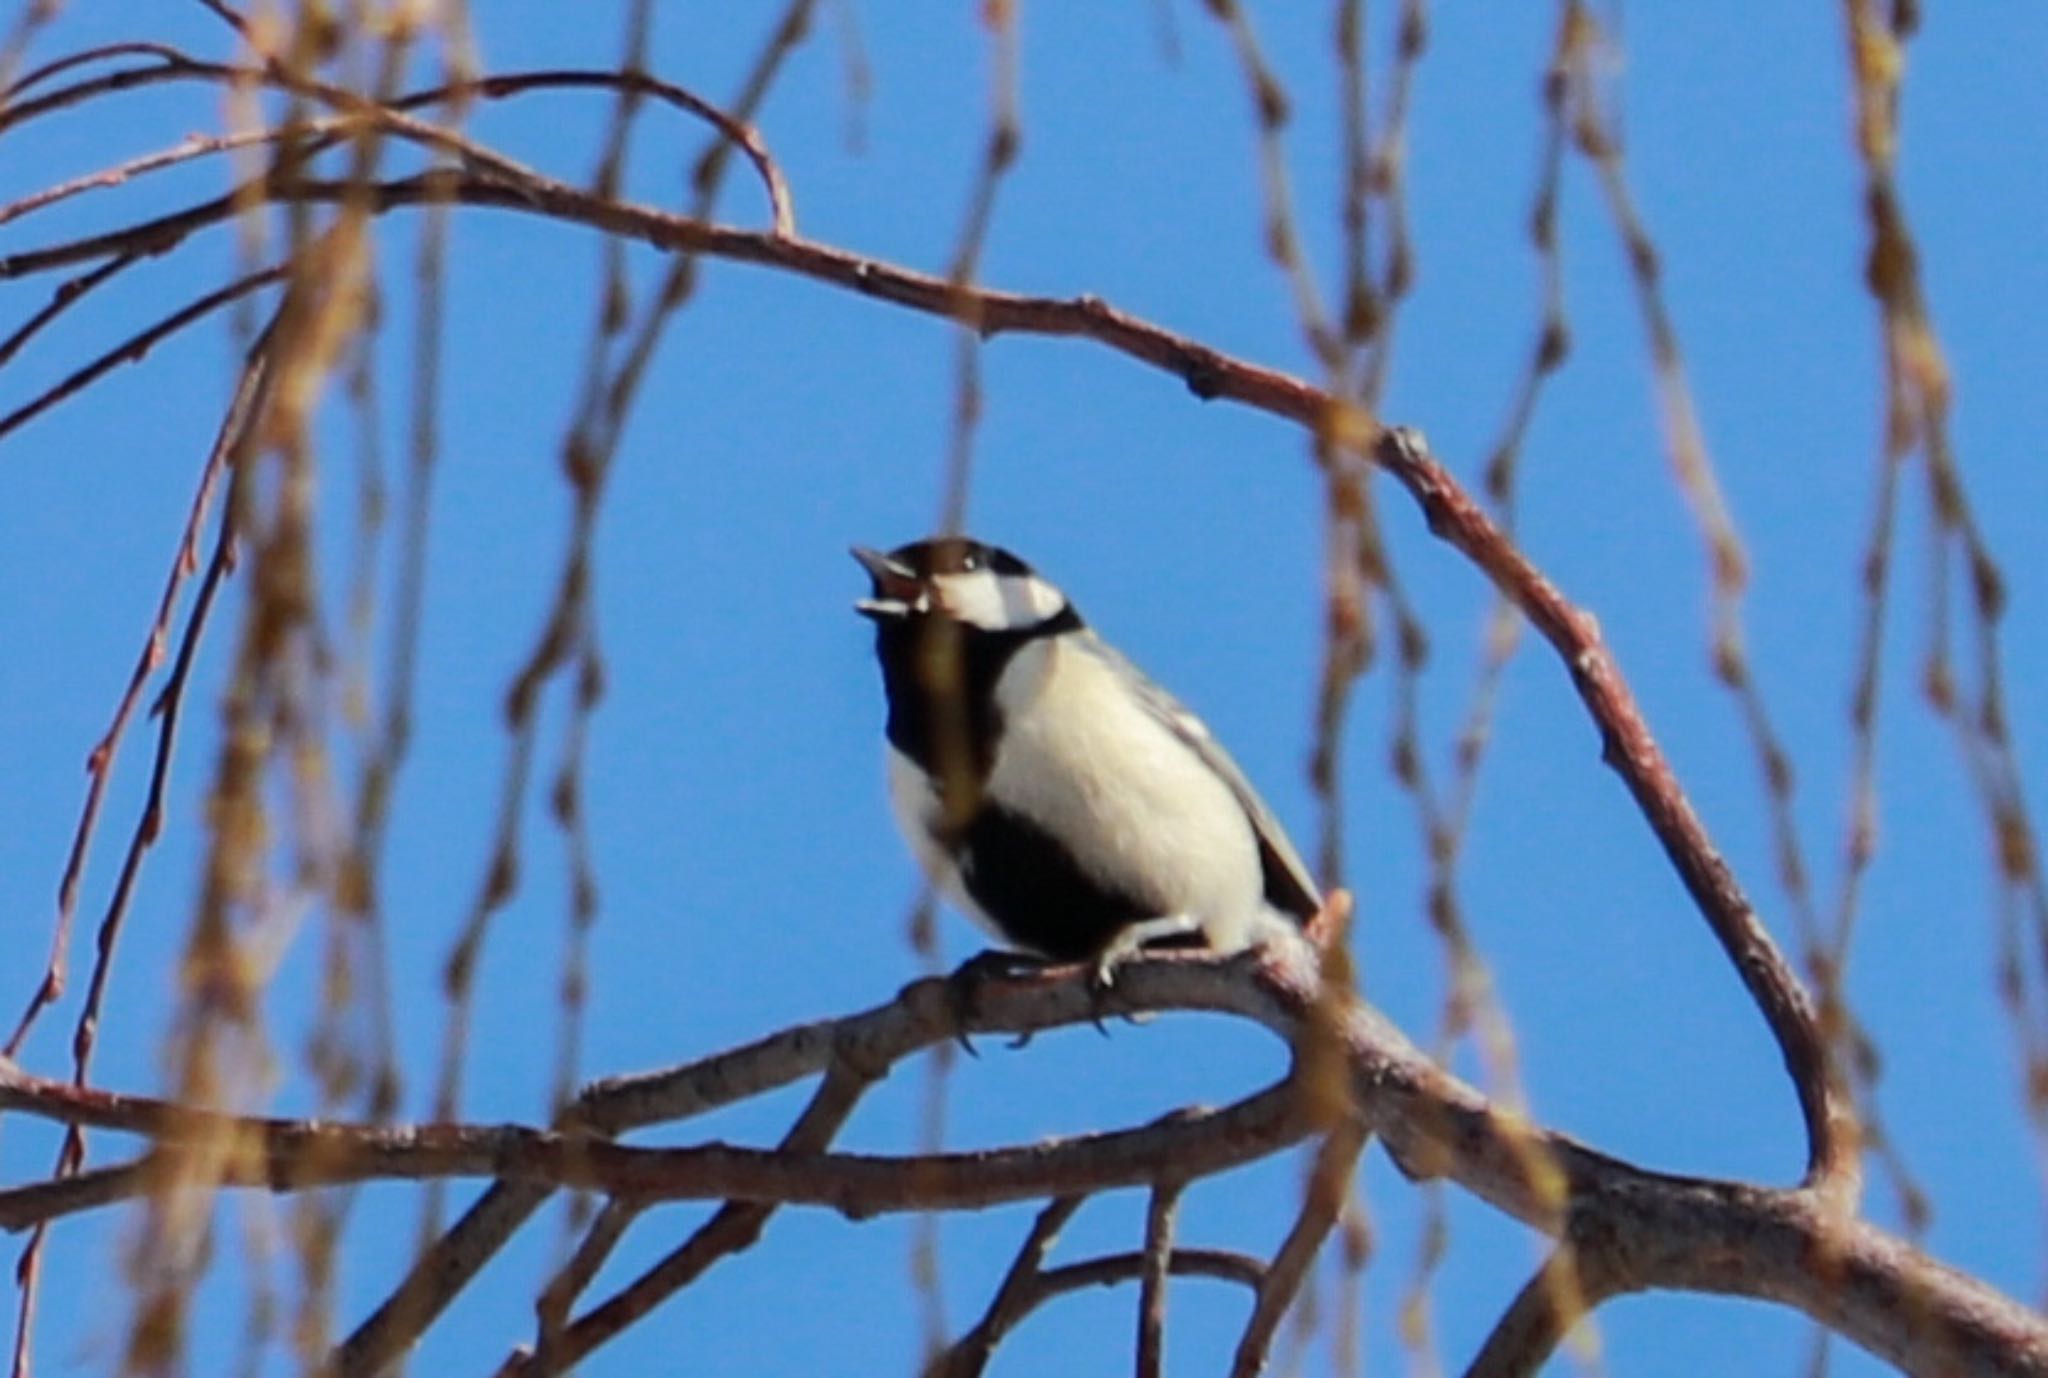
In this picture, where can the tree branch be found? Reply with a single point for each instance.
(734, 1227)
(436, 1278)
(1564, 1290)
(1021, 1290)
(294, 1155)
(1329, 1187)
(1660, 1231)
(1222, 1265)
(313, 136)
(1628, 745)
(1159, 1225)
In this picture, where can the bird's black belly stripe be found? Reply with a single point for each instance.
(1036, 892)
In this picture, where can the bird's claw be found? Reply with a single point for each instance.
(1101, 985)
(963, 988)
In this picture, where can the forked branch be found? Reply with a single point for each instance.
(1663, 1231)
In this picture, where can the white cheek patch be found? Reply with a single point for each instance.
(998, 602)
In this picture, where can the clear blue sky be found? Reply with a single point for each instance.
(751, 876)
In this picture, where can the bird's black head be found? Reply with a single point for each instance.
(983, 588)
(950, 614)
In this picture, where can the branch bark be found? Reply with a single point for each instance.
(1795, 1247)
(294, 1156)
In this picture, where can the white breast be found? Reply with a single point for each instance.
(1088, 762)
(1092, 766)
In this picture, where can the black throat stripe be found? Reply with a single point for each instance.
(923, 715)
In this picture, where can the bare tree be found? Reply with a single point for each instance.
(332, 136)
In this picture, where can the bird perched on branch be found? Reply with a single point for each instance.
(1063, 801)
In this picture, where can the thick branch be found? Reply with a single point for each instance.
(1654, 1230)
(286, 1155)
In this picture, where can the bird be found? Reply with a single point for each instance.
(1068, 805)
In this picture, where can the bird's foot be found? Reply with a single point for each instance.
(964, 987)
(1127, 944)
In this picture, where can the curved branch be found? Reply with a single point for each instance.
(1656, 1230)
(174, 65)
(1224, 1265)
(292, 1155)
(1628, 745)
(11, 102)
(969, 1355)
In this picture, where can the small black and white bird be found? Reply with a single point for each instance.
(1062, 800)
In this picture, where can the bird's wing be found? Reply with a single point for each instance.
(1290, 887)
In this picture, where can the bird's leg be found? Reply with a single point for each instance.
(964, 986)
(1126, 945)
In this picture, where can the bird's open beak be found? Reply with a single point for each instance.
(898, 590)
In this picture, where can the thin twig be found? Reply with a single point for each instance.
(566, 634)
(1918, 397)
(1013, 1299)
(232, 445)
(733, 1228)
(1329, 1187)
(137, 346)
(999, 153)
(355, 110)
(1564, 1291)
(68, 294)
(1160, 1212)
(1000, 148)
(574, 1277)
(100, 763)
(1388, 174)
(1270, 110)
